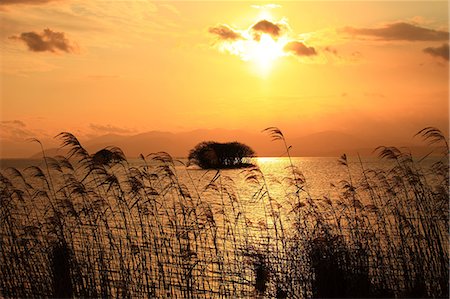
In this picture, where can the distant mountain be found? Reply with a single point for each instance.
(326, 143)
(177, 144)
(105, 139)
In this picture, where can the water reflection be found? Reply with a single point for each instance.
(157, 229)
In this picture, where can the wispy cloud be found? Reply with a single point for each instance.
(331, 50)
(46, 41)
(266, 6)
(103, 77)
(442, 51)
(33, 2)
(14, 130)
(400, 31)
(15, 123)
(88, 26)
(109, 129)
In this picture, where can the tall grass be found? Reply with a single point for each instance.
(95, 225)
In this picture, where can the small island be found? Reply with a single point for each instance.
(216, 155)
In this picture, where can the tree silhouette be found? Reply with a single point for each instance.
(211, 154)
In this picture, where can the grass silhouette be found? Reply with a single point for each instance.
(95, 225)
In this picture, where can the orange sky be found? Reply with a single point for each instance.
(96, 67)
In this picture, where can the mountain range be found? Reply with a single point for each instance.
(326, 143)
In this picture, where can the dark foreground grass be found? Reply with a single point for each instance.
(92, 225)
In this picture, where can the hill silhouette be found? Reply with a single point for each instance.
(326, 143)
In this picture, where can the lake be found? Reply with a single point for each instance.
(156, 228)
(319, 172)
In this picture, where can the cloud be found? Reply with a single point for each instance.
(109, 129)
(299, 49)
(266, 6)
(48, 40)
(12, 2)
(331, 50)
(103, 77)
(225, 33)
(400, 31)
(262, 42)
(14, 130)
(267, 27)
(17, 123)
(374, 95)
(442, 51)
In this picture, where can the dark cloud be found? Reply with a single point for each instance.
(224, 32)
(442, 51)
(48, 40)
(242, 42)
(108, 129)
(401, 31)
(267, 27)
(35, 2)
(299, 49)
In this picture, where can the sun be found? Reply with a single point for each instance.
(263, 43)
(262, 51)
(265, 51)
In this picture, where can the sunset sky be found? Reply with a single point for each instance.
(376, 69)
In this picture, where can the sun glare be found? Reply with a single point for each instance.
(261, 44)
(265, 51)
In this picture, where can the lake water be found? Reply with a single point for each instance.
(323, 177)
(177, 231)
(319, 172)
